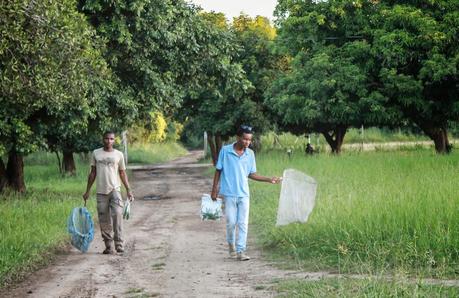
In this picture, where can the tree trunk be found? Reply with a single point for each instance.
(15, 172)
(440, 137)
(218, 143)
(59, 164)
(213, 149)
(68, 163)
(215, 143)
(335, 140)
(3, 177)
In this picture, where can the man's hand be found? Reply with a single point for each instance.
(86, 196)
(275, 180)
(130, 196)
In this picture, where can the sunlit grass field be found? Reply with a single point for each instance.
(375, 213)
(34, 224)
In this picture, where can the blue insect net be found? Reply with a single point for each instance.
(81, 228)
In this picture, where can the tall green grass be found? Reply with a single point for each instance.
(32, 225)
(375, 212)
(369, 287)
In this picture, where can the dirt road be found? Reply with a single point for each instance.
(170, 252)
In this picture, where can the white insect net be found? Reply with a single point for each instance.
(298, 194)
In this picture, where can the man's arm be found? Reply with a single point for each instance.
(215, 185)
(273, 180)
(91, 177)
(125, 181)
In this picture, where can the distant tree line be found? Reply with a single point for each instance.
(72, 69)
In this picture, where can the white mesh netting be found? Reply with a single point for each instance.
(298, 194)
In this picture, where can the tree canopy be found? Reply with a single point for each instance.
(48, 63)
(383, 61)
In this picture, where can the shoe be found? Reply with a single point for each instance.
(119, 249)
(108, 251)
(242, 257)
(232, 250)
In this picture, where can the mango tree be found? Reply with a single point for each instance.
(43, 47)
(329, 86)
(415, 45)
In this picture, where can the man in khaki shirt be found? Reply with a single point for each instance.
(107, 165)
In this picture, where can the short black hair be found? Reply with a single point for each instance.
(108, 132)
(244, 129)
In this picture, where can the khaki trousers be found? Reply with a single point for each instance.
(110, 212)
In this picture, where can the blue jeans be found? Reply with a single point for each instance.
(237, 214)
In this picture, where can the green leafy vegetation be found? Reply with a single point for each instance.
(367, 62)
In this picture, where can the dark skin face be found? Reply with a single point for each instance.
(244, 141)
(109, 140)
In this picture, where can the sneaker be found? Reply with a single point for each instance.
(242, 257)
(232, 250)
(119, 249)
(108, 251)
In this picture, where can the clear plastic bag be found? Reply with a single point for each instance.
(297, 198)
(127, 209)
(211, 210)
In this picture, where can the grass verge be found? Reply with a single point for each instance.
(375, 212)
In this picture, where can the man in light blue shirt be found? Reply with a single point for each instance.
(236, 163)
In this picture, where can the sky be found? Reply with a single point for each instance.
(232, 8)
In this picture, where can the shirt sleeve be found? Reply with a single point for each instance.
(93, 159)
(121, 165)
(253, 166)
(221, 156)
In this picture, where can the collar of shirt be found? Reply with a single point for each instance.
(246, 152)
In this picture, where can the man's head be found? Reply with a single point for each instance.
(244, 135)
(109, 139)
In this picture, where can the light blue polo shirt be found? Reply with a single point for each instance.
(235, 171)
